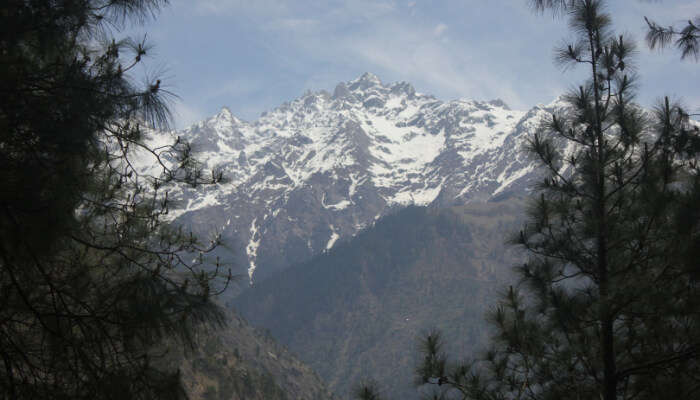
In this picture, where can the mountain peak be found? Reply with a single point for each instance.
(365, 81)
(370, 77)
(372, 148)
(225, 115)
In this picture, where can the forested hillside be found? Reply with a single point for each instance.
(358, 310)
(239, 362)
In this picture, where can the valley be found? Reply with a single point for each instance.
(358, 221)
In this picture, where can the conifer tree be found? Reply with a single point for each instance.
(607, 303)
(91, 277)
(686, 39)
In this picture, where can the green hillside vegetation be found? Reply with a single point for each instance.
(358, 310)
(240, 362)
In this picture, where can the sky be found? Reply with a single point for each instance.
(254, 55)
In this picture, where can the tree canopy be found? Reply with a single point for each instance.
(91, 275)
(686, 38)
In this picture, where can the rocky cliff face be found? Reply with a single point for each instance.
(239, 362)
(324, 166)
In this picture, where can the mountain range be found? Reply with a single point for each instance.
(321, 168)
(361, 219)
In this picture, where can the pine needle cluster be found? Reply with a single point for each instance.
(91, 275)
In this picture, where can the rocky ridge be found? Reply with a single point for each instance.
(321, 168)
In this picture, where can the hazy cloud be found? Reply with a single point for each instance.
(439, 29)
(255, 55)
(185, 115)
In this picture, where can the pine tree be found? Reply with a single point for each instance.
(91, 277)
(607, 303)
(686, 39)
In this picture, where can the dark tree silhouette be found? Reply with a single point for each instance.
(686, 39)
(91, 277)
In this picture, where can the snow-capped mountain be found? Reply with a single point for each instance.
(324, 166)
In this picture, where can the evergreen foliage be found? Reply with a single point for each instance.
(686, 39)
(239, 362)
(367, 391)
(607, 303)
(90, 275)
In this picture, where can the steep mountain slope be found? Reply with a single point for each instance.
(324, 166)
(239, 362)
(358, 310)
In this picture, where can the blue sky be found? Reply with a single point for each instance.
(253, 55)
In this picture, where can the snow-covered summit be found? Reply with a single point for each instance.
(321, 167)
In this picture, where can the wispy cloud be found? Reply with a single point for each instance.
(237, 7)
(439, 29)
(399, 48)
(185, 115)
(234, 87)
(446, 69)
(253, 55)
(293, 24)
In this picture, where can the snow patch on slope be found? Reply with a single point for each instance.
(334, 237)
(252, 248)
(370, 147)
